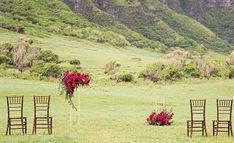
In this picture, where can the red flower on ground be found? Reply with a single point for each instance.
(163, 118)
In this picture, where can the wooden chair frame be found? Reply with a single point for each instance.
(197, 107)
(224, 107)
(15, 105)
(42, 105)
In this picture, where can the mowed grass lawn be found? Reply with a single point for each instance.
(113, 114)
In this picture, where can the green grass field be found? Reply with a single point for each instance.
(116, 113)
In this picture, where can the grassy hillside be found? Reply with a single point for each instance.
(221, 22)
(155, 21)
(144, 24)
(41, 18)
(93, 56)
(216, 16)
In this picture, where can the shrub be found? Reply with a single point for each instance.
(6, 53)
(162, 71)
(112, 67)
(171, 72)
(191, 70)
(49, 57)
(123, 77)
(76, 63)
(54, 29)
(52, 70)
(152, 76)
(4, 59)
(24, 55)
(207, 69)
(231, 73)
(152, 72)
(231, 59)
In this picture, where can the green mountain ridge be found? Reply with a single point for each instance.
(156, 24)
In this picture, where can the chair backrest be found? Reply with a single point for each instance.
(15, 106)
(198, 109)
(41, 106)
(224, 109)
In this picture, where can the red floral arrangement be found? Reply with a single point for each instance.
(163, 118)
(71, 81)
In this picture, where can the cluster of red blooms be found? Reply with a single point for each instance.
(73, 80)
(160, 119)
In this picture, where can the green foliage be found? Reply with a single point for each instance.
(191, 29)
(172, 73)
(112, 67)
(75, 62)
(231, 73)
(49, 57)
(191, 70)
(52, 70)
(5, 59)
(41, 17)
(221, 22)
(180, 64)
(6, 53)
(123, 77)
(46, 70)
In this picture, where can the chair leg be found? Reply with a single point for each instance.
(25, 126)
(205, 129)
(217, 128)
(213, 127)
(48, 125)
(7, 128)
(191, 130)
(231, 128)
(34, 127)
(51, 127)
(22, 125)
(187, 129)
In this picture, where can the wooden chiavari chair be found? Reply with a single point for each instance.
(42, 119)
(224, 117)
(15, 118)
(197, 122)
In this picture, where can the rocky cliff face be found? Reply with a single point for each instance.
(218, 3)
(195, 8)
(80, 6)
(162, 21)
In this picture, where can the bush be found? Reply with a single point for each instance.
(191, 70)
(5, 59)
(76, 63)
(6, 53)
(163, 70)
(207, 69)
(180, 64)
(152, 72)
(24, 55)
(152, 76)
(49, 57)
(231, 73)
(54, 29)
(231, 59)
(123, 77)
(112, 67)
(52, 70)
(172, 73)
